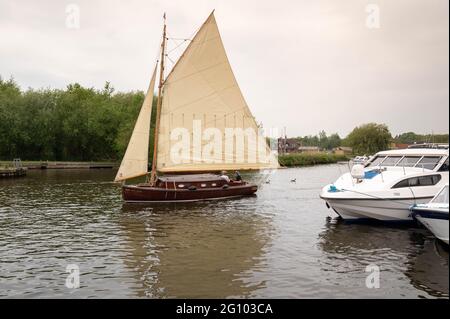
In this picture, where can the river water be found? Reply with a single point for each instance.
(282, 243)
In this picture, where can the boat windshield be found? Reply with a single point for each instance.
(385, 161)
(409, 161)
(376, 161)
(428, 162)
(442, 197)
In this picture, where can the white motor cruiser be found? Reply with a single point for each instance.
(434, 215)
(389, 184)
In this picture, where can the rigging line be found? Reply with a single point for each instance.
(186, 39)
(175, 40)
(173, 62)
(176, 47)
(179, 39)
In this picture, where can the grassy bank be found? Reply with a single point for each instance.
(62, 164)
(305, 159)
(289, 160)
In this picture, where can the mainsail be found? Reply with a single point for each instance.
(135, 160)
(201, 95)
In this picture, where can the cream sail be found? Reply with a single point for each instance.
(135, 160)
(200, 94)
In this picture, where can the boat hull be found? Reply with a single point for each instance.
(435, 221)
(136, 193)
(379, 209)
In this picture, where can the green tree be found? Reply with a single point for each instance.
(334, 140)
(411, 138)
(407, 138)
(369, 138)
(323, 140)
(75, 123)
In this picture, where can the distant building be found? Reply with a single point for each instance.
(288, 145)
(293, 145)
(399, 146)
(308, 149)
(342, 150)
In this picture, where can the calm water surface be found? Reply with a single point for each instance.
(283, 243)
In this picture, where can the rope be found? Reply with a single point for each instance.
(177, 45)
(173, 62)
(376, 197)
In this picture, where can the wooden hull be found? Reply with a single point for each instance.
(137, 193)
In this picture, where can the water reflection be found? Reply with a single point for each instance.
(407, 249)
(200, 250)
(273, 245)
(428, 270)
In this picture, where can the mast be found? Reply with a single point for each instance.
(158, 106)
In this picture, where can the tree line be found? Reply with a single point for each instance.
(71, 124)
(86, 124)
(369, 138)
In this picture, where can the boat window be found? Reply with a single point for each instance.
(409, 161)
(213, 184)
(429, 180)
(391, 160)
(442, 197)
(428, 162)
(203, 185)
(444, 167)
(377, 160)
(180, 186)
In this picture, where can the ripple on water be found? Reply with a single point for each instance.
(281, 243)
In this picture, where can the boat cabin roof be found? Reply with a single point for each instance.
(416, 151)
(189, 178)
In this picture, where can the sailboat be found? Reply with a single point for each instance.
(203, 125)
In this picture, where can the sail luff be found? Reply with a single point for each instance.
(135, 160)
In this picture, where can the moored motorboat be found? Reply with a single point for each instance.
(386, 187)
(434, 215)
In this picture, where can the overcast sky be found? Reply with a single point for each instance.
(305, 65)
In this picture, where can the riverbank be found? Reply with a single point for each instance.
(288, 160)
(63, 165)
(6, 172)
(310, 159)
